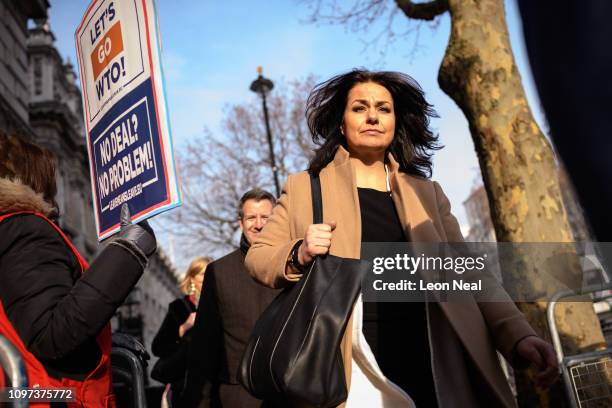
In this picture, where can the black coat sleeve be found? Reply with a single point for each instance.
(206, 347)
(51, 306)
(167, 340)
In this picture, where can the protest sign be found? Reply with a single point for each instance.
(126, 117)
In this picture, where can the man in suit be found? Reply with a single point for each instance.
(230, 304)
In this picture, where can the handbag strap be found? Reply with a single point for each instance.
(317, 202)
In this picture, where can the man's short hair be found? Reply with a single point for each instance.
(256, 194)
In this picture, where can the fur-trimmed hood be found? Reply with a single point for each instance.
(16, 196)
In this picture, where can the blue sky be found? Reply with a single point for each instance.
(211, 50)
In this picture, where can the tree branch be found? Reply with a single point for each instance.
(423, 11)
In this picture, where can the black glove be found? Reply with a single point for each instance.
(139, 238)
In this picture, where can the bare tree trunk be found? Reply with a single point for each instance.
(518, 165)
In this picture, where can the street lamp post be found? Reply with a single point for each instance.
(262, 86)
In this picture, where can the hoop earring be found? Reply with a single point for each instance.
(192, 289)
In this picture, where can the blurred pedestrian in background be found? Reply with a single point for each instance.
(230, 305)
(171, 341)
(54, 307)
(374, 164)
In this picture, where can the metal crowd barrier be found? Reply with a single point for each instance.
(128, 361)
(14, 367)
(587, 376)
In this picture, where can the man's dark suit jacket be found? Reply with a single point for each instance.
(230, 304)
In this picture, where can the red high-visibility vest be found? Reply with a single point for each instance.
(96, 390)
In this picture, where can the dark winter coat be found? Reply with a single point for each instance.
(171, 348)
(167, 340)
(57, 312)
(230, 304)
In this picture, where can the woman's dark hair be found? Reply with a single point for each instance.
(34, 166)
(413, 143)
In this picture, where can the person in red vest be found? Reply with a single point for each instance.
(54, 307)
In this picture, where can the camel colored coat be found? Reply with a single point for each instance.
(463, 336)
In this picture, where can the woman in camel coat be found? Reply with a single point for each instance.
(373, 163)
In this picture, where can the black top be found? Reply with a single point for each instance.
(172, 349)
(167, 340)
(56, 311)
(396, 332)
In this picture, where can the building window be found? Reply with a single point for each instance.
(56, 91)
(37, 76)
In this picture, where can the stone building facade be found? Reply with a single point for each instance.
(40, 101)
(14, 67)
(55, 116)
(477, 210)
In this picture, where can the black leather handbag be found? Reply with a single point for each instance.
(293, 356)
